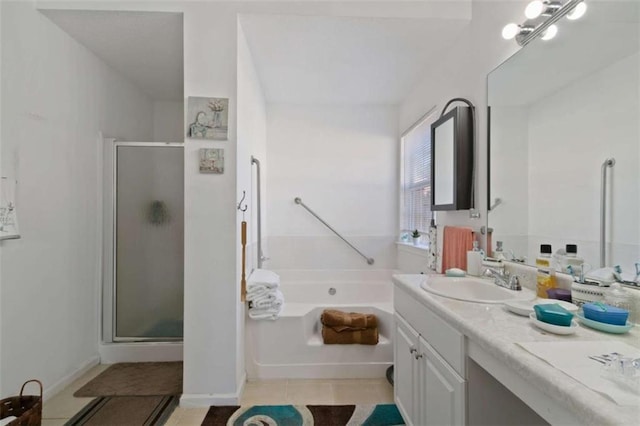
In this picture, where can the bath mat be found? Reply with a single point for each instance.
(305, 415)
(136, 379)
(126, 410)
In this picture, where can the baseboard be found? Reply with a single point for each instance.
(70, 378)
(195, 400)
(111, 353)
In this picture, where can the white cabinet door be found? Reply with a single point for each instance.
(405, 371)
(442, 390)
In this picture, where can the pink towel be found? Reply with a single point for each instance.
(456, 242)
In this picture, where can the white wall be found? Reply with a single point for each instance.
(462, 72)
(2, 394)
(168, 121)
(212, 298)
(56, 98)
(570, 135)
(252, 138)
(343, 162)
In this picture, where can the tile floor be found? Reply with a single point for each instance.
(59, 409)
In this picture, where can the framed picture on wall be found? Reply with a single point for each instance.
(8, 214)
(208, 118)
(212, 160)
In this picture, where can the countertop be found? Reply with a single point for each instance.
(498, 331)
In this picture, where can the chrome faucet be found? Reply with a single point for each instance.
(506, 280)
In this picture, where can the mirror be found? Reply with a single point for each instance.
(443, 164)
(452, 159)
(558, 110)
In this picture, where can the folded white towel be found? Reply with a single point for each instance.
(265, 316)
(259, 289)
(270, 300)
(270, 313)
(263, 277)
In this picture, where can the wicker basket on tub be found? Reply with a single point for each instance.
(26, 408)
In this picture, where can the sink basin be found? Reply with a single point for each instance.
(473, 290)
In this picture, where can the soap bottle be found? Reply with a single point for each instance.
(474, 260)
(499, 253)
(571, 258)
(545, 276)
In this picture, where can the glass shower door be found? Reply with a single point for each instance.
(149, 242)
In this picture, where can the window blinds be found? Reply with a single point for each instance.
(416, 178)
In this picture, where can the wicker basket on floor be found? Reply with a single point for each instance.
(26, 408)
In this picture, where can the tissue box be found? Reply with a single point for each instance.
(553, 314)
(605, 313)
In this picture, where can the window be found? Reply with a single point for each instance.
(415, 181)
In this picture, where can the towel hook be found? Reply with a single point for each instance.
(243, 209)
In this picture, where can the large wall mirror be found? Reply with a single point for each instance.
(558, 109)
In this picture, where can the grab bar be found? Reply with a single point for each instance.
(261, 256)
(298, 200)
(609, 162)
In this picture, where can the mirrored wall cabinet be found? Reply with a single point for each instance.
(452, 160)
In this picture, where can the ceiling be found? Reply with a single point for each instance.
(145, 47)
(344, 60)
(299, 59)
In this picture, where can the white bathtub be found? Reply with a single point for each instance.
(292, 346)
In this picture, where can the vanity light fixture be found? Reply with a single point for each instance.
(550, 33)
(538, 7)
(577, 13)
(541, 17)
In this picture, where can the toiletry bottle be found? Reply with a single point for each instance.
(474, 260)
(571, 258)
(545, 277)
(499, 254)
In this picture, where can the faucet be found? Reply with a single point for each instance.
(506, 280)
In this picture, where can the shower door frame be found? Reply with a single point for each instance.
(114, 243)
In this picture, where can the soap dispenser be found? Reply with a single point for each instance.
(474, 260)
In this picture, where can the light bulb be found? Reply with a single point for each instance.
(534, 9)
(550, 33)
(510, 31)
(577, 13)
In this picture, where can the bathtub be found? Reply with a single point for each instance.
(292, 348)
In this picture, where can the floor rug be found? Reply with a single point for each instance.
(136, 379)
(126, 411)
(304, 415)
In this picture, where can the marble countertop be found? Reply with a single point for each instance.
(498, 331)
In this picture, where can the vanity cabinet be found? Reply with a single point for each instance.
(406, 385)
(428, 389)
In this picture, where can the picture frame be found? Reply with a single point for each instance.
(211, 160)
(208, 118)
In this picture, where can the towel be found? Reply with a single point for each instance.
(259, 295)
(368, 336)
(341, 321)
(269, 314)
(457, 241)
(263, 277)
(271, 300)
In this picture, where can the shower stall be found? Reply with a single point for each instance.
(143, 245)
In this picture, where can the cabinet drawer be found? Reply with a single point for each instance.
(446, 340)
